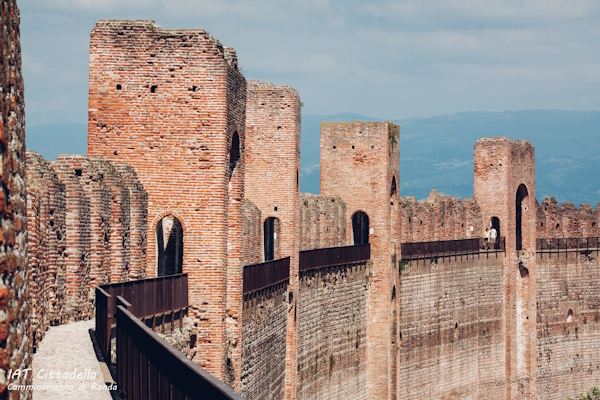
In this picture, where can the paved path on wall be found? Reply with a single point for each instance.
(69, 349)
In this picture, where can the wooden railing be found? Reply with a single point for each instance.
(310, 259)
(148, 297)
(443, 248)
(263, 275)
(149, 368)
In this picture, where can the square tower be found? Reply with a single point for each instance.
(360, 163)
(171, 103)
(504, 188)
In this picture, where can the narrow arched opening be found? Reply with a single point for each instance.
(271, 228)
(360, 228)
(234, 153)
(495, 223)
(169, 243)
(394, 187)
(521, 196)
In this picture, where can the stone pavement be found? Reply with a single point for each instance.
(67, 351)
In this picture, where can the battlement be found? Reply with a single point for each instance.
(439, 218)
(566, 220)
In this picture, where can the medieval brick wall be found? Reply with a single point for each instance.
(504, 187)
(87, 226)
(46, 245)
(171, 104)
(332, 332)
(273, 180)
(568, 323)
(264, 333)
(15, 348)
(566, 220)
(451, 328)
(439, 218)
(252, 234)
(322, 222)
(360, 163)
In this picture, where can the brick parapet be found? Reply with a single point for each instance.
(15, 340)
(439, 218)
(566, 220)
(322, 221)
(46, 244)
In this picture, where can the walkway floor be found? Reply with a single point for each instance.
(67, 351)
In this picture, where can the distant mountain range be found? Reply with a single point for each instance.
(436, 152)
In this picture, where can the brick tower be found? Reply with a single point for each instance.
(504, 188)
(272, 179)
(360, 162)
(171, 103)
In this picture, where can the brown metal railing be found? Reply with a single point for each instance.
(443, 248)
(310, 259)
(263, 275)
(148, 297)
(149, 368)
(556, 245)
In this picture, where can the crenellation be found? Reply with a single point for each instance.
(181, 145)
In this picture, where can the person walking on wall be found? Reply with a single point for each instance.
(493, 237)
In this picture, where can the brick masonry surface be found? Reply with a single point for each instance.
(332, 332)
(15, 338)
(439, 218)
(568, 324)
(264, 333)
(86, 222)
(451, 328)
(322, 221)
(171, 103)
(566, 220)
(360, 164)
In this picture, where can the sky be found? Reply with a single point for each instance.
(384, 59)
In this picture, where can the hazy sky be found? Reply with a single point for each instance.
(383, 59)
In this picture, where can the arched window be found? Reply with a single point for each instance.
(360, 228)
(271, 231)
(234, 153)
(169, 243)
(394, 188)
(521, 195)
